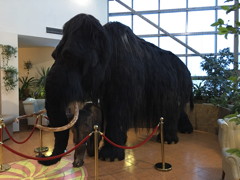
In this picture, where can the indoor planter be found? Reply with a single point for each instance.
(215, 93)
(10, 77)
(10, 72)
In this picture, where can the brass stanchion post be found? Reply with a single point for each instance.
(162, 166)
(40, 149)
(3, 167)
(96, 134)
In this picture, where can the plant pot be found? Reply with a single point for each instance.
(204, 116)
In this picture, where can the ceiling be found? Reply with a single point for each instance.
(31, 41)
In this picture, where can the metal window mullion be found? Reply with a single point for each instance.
(236, 37)
(168, 10)
(132, 14)
(159, 23)
(186, 37)
(216, 37)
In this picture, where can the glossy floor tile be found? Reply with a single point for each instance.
(196, 157)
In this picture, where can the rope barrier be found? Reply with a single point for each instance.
(132, 147)
(21, 142)
(84, 140)
(47, 158)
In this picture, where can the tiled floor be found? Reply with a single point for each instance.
(196, 157)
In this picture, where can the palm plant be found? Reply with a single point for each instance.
(26, 84)
(40, 83)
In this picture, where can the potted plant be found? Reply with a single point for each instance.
(10, 72)
(10, 77)
(28, 66)
(216, 92)
(40, 83)
(198, 93)
(39, 93)
(26, 85)
(7, 52)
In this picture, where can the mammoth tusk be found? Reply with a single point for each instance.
(30, 115)
(62, 128)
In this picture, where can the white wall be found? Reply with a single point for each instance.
(31, 17)
(9, 99)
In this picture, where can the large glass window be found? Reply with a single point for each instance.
(116, 7)
(228, 18)
(173, 22)
(141, 27)
(200, 21)
(127, 20)
(175, 4)
(204, 44)
(225, 43)
(143, 5)
(188, 20)
(169, 44)
(201, 3)
(153, 40)
(194, 65)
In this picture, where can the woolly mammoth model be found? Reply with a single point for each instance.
(135, 81)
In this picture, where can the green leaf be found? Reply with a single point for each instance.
(238, 23)
(215, 24)
(225, 8)
(230, 9)
(234, 151)
(220, 21)
(223, 30)
(231, 29)
(226, 35)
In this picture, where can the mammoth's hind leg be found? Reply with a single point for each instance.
(184, 124)
(170, 125)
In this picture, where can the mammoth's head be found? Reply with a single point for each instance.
(81, 59)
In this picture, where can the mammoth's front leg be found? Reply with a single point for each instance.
(80, 151)
(115, 131)
(79, 155)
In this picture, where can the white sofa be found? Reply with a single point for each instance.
(229, 138)
(31, 106)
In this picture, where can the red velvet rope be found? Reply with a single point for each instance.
(21, 142)
(132, 147)
(47, 158)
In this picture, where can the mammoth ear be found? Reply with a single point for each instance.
(54, 54)
(57, 50)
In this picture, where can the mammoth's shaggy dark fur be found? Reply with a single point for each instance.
(136, 82)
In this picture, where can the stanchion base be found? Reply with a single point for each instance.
(41, 149)
(4, 167)
(166, 167)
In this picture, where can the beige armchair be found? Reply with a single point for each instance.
(229, 138)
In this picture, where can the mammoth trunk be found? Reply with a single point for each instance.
(61, 138)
